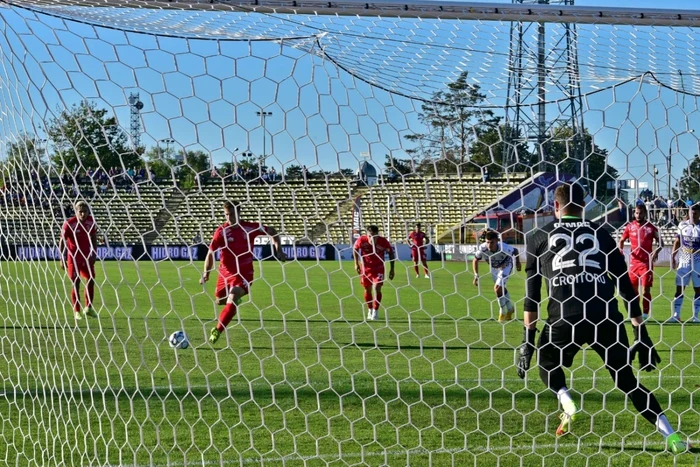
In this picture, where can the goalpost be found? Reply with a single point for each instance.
(322, 118)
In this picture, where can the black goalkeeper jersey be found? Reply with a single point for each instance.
(582, 266)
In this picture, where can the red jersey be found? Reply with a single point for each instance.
(417, 239)
(77, 236)
(641, 238)
(373, 252)
(236, 245)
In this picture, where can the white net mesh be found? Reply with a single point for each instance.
(320, 125)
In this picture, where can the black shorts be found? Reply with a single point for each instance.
(560, 342)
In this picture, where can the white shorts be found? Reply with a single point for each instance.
(685, 273)
(500, 276)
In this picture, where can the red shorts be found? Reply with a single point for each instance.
(225, 284)
(85, 269)
(641, 273)
(370, 277)
(418, 255)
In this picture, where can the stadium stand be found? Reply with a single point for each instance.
(396, 207)
(294, 208)
(312, 210)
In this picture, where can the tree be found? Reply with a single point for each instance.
(346, 173)
(84, 136)
(25, 159)
(489, 150)
(396, 168)
(454, 121)
(195, 168)
(562, 149)
(293, 172)
(689, 184)
(161, 162)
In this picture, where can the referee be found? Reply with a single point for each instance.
(582, 266)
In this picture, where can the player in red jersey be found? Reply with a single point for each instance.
(418, 239)
(78, 249)
(234, 240)
(641, 234)
(371, 248)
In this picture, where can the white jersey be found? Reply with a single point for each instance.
(499, 259)
(689, 236)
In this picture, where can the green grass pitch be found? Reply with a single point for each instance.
(300, 379)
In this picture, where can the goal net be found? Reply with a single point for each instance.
(322, 119)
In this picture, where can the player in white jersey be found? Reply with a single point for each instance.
(500, 257)
(687, 265)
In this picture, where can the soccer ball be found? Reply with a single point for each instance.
(179, 340)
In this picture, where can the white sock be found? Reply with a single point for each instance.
(567, 403)
(677, 305)
(503, 303)
(664, 426)
(509, 305)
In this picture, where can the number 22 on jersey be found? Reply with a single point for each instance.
(559, 263)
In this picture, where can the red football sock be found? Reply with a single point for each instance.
(89, 293)
(425, 267)
(646, 302)
(415, 268)
(75, 301)
(226, 316)
(378, 300)
(368, 299)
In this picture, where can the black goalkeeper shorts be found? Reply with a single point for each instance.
(560, 342)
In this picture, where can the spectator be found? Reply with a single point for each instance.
(485, 174)
(103, 188)
(112, 172)
(650, 208)
(273, 174)
(304, 173)
(624, 210)
(131, 173)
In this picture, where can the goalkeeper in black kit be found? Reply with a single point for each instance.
(582, 266)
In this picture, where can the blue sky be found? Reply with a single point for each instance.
(205, 93)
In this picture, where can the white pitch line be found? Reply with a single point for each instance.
(300, 384)
(401, 453)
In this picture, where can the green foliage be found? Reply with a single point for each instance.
(161, 162)
(689, 184)
(84, 136)
(563, 151)
(23, 156)
(395, 167)
(455, 122)
(293, 172)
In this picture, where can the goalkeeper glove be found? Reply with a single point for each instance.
(644, 348)
(525, 351)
